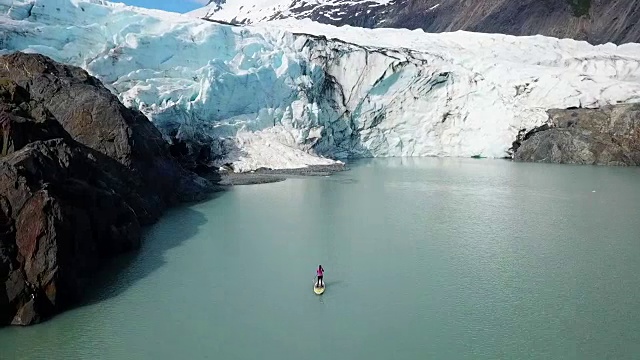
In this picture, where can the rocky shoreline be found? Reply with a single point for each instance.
(80, 175)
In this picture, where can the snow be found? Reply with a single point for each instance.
(254, 11)
(266, 150)
(267, 96)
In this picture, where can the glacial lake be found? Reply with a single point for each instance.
(425, 259)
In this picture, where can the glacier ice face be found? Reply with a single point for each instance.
(293, 93)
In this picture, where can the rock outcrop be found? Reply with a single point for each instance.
(605, 136)
(93, 116)
(79, 174)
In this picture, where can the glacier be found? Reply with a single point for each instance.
(291, 93)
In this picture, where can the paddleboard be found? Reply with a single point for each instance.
(318, 290)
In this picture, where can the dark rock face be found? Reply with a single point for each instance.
(606, 136)
(596, 21)
(64, 215)
(94, 117)
(194, 155)
(65, 205)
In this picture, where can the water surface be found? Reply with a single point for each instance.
(424, 258)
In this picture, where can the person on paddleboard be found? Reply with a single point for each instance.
(320, 274)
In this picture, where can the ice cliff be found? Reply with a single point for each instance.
(292, 93)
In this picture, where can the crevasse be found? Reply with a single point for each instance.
(293, 93)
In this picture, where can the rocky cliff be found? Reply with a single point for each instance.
(79, 174)
(605, 136)
(597, 21)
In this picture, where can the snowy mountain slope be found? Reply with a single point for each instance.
(596, 21)
(270, 96)
(254, 11)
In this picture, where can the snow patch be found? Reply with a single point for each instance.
(255, 11)
(265, 149)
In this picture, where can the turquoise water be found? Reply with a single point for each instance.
(424, 258)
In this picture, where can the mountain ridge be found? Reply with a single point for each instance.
(595, 21)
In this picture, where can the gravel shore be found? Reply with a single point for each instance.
(264, 176)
